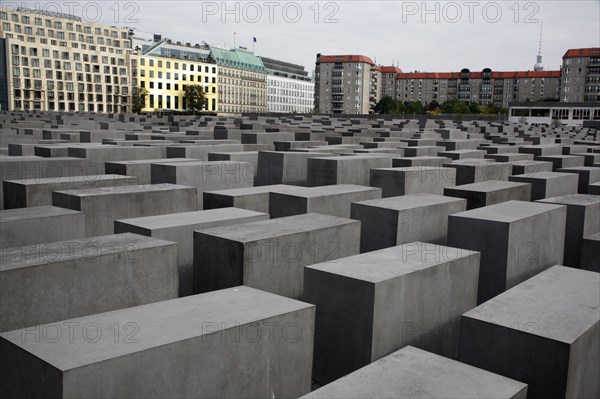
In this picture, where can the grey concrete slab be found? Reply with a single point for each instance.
(200, 151)
(528, 167)
(38, 192)
(412, 180)
(344, 169)
(587, 175)
(102, 206)
(205, 176)
(549, 184)
(563, 161)
(141, 169)
(279, 167)
(487, 193)
(398, 220)
(270, 255)
(405, 162)
(541, 149)
(328, 200)
(16, 168)
(252, 198)
(510, 157)
(583, 219)
(589, 253)
(413, 373)
(232, 343)
(373, 304)
(594, 188)
(102, 153)
(476, 170)
(462, 154)
(36, 225)
(544, 332)
(47, 283)
(179, 228)
(517, 240)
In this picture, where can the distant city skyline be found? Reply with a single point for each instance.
(501, 35)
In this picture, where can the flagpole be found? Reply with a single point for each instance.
(253, 43)
(234, 46)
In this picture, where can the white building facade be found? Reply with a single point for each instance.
(288, 95)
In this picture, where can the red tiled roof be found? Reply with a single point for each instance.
(347, 58)
(390, 69)
(582, 52)
(479, 75)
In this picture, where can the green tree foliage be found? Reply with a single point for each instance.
(386, 105)
(138, 101)
(194, 97)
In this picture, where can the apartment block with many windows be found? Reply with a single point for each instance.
(57, 62)
(289, 88)
(581, 75)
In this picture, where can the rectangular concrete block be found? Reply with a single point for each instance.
(563, 161)
(405, 162)
(473, 171)
(47, 283)
(205, 176)
(179, 228)
(539, 150)
(373, 304)
(549, 184)
(328, 200)
(528, 167)
(398, 220)
(252, 198)
(17, 168)
(587, 175)
(140, 169)
(38, 192)
(200, 151)
(517, 240)
(412, 180)
(233, 343)
(544, 332)
(270, 255)
(36, 225)
(509, 157)
(412, 373)
(99, 154)
(583, 220)
(487, 193)
(278, 167)
(589, 253)
(102, 206)
(344, 169)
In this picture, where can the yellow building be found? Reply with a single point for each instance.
(166, 80)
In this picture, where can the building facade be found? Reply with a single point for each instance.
(581, 75)
(571, 114)
(486, 88)
(389, 76)
(165, 68)
(242, 81)
(346, 84)
(289, 88)
(57, 62)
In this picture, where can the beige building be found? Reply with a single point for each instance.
(242, 81)
(581, 75)
(346, 84)
(484, 88)
(57, 62)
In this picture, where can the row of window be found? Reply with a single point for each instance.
(175, 86)
(175, 76)
(73, 107)
(172, 102)
(60, 35)
(184, 66)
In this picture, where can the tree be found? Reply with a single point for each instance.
(414, 107)
(138, 101)
(473, 108)
(386, 106)
(194, 97)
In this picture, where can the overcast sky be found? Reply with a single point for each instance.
(425, 36)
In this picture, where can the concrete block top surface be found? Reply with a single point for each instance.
(36, 212)
(573, 199)
(508, 212)
(560, 303)
(410, 168)
(415, 373)
(543, 175)
(279, 188)
(265, 229)
(189, 218)
(393, 262)
(412, 201)
(336, 189)
(72, 179)
(140, 188)
(84, 248)
(158, 160)
(352, 157)
(488, 186)
(159, 323)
